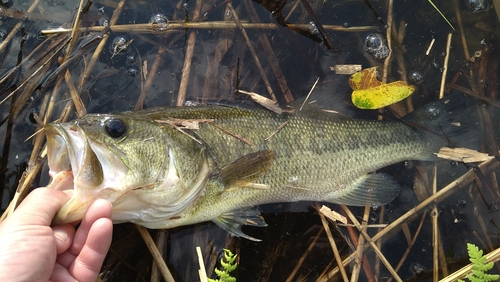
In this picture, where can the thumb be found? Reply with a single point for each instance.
(40, 206)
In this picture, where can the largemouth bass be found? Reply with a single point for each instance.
(169, 167)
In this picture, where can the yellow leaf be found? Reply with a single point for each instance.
(364, 79)
(370, 93)
(381, 96)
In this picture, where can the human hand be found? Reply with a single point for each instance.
(32, 250)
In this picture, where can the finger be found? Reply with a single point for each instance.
(63, 237)
(98, 209)
(40, 206)
(87, 265)
(60, 273)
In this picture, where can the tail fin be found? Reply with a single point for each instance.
(451, 121)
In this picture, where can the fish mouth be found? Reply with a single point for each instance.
(73, 167)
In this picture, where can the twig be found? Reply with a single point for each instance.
(374, 247)
(33, 74)
(390, 23)
(309, 94)
(492, 256)
(458, 183)
(74, 32)
(445, 67)
(79, 106)
(180, 129)
(430, 47)
(212, 80)
(237, 136)
(149, 81)
(413, 240)
(264, 41)
(294, 7)
(202, 272)
(304, 256)
(474, 94)
(253, 52)
(334, 247)
(326, 39)
(16, 28)
(186, 69)
(359, 247)
(93, 60)
(461, 29)
(29, 175)
(161, 241)
(435, 229)
(155, 253)
(276, 131)
(145, 28)
(376, 265)
(263, 101)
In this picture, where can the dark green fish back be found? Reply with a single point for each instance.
(319, 156)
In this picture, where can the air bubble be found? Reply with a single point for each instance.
(159, 22)
(415, 77)
(119, 45)
(131, 59)
(133, 72)
(409, 164)
(478, 6)
(6, 3)
(104, 22)
(417, 268)
(313, 29)
(435, 64)
(434, 111)
(376, 46)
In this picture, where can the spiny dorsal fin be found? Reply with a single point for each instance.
(245, 170)
(234, 220)
(370, 190)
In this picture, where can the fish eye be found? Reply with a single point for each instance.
(115, 127)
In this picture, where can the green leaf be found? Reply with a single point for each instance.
(491, 277)
(479, 265)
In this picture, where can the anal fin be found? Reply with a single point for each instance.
(234, 220)
(370, 190)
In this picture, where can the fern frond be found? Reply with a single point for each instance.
(228, 263)
(479, 266)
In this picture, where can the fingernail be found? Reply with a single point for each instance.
(61, 235)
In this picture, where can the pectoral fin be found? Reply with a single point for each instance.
(247, 169)
(232, 222)
(371, 189)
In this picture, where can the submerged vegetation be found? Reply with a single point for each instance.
(59, 62)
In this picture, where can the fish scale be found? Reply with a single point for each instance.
(160, 174)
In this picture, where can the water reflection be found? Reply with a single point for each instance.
(157, 51)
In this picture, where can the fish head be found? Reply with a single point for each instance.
(132, 163)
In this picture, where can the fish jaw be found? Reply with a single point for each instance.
(76, 169)
(63, 147)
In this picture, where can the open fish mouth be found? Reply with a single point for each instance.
(73, 166)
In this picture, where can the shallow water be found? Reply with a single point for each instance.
(221, 64)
